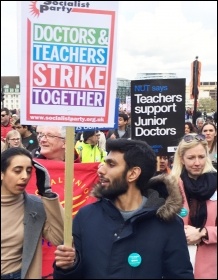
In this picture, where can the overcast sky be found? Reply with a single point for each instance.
(153, 37)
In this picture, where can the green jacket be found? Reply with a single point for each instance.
(89, 153)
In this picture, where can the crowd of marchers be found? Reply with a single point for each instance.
(154, 217)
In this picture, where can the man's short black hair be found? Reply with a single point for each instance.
(136, 153)
(6, 110)
(29, 127)
(124, 116)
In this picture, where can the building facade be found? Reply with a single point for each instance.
(10, 88)
(10, 91)
(152, 76)
(206, 90)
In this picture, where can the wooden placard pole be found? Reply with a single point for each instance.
(158, 163)
(68, 189)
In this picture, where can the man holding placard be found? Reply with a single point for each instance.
(133, 230)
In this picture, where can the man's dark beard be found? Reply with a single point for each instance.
(119, 186)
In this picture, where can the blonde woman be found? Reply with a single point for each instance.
(197, 178)
(13, 139)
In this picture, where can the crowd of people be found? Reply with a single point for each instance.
(169, 229)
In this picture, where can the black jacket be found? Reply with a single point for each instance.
(115, 131)
(105, 242)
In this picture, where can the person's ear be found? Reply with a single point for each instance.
(133, 174)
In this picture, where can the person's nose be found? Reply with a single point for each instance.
(197, 161)
(43, 138)
(101, 168)
(24, 175)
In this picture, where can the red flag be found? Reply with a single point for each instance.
(85, 175)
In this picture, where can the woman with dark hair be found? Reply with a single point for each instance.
(209, 129)
(189, 128)
(26, 218)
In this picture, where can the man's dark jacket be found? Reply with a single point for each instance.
(104, 241)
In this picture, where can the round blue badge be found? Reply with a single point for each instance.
(31, 141)
(183, 212)
(134, 259)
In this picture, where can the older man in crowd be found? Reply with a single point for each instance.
(52, 142)
(199, 124)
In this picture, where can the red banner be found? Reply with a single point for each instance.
(85, 175)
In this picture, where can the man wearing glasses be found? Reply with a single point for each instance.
(52, 143)
(5, 123)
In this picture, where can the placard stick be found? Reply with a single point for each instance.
(158, 163)
(68, 188)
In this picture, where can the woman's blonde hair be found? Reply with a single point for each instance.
(2, 145)
(180, 151)
(12, 133)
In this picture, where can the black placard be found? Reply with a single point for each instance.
(157, 113)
